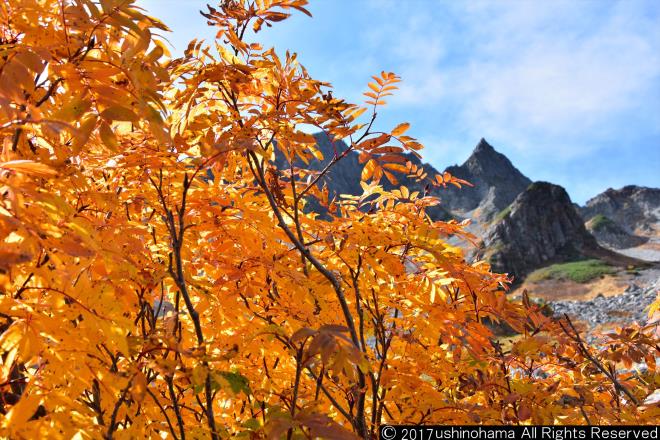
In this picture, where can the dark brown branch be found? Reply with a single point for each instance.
(296, 386)
(585, 352)
(337, 158)
(175, 405)
(304, 250)
(113, 419)
(261, 180)
(175, 270)
(49, 92)
(167, 419)
(332, 400)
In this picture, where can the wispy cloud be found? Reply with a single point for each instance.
(536, 75)
(564, 81)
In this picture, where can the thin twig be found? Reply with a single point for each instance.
(577, 339)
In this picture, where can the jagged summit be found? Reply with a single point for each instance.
(486, 162)
(345, 175)
(523, 225)
(629, 190)
(483, 146)
(496, 183)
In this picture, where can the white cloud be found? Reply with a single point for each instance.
(542, 72)
(563, 84)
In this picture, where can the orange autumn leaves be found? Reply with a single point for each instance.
(162, 274)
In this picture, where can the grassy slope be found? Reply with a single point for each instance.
(578, 271)
(599, 222)
(503, 213)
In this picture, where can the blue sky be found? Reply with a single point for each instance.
(568, 90)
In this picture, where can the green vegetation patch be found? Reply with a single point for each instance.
(600, 221)
(578, 271)
(503, 213)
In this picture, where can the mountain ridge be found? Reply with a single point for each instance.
(526, 224)
(496, 181)
(635, 208)
(543, 227)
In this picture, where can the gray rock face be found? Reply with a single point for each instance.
(344, 178)
(541, 226)
(496, 183)
(611, 235)
(635, 208)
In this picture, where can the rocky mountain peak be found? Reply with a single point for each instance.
(627, 191)
(541, 226)
(496, 183)
(539, 194)
(345, 175)
(528, 225)
(485, 162)
(483, 147)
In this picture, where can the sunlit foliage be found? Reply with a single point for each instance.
(160, 275)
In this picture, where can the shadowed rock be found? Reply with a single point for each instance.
(344, 176)
(542, 226)
(636, 209)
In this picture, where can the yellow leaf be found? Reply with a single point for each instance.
(400, 129)
(119, 113)
(23, 410)
(108, 137)
(86, 127)
(139, 386)
(199, 374)
(357, 113)
(368, 170)
(29, 167)
(372, 143)
(73, 109)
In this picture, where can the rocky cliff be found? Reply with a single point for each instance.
(541, 226)
(496, 181)
(344, 177)
(635, 208)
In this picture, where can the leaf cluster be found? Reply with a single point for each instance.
(161, 277)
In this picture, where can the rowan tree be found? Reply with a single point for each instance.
(162, 276)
